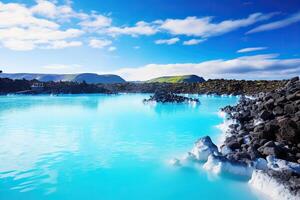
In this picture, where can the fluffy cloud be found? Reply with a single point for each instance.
(21, 30)
(247, 67)
(50, 25)
(250, 49)
(140, 28)
(63, 44)
(38, 34)
(204, 27)
(17, 15)
(167, 41)
(193, 41)
(96, 43)
(278, 24)
(96, 21)
(49, 9)
(19, 45)
(29, 38)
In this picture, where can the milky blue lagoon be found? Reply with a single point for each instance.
(107, 148)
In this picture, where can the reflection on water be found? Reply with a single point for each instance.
(102, 147)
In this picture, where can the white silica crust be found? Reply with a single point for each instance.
(224, 127)
(203, 149)
(215, 161)
(270, 186)
(222, 114)
(218, 166)
(279, 165)
(260, 164)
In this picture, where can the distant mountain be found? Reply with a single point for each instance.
(87, 77)
(177, 79)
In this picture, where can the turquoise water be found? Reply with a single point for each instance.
(107, 148)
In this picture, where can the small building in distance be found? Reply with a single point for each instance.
(37, 87)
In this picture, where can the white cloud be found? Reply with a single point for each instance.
(204, 27)
(19, 45)
(45, 8)
(96, 43)
(140, 28)
(17, 15)
(167, 41)
(63, 44)
(49, 24)
(21, 30)
(35, 37)
(193, 41)
(40, 35)
(136, 47)
(49, 9)
(247, 67)
(112, 48)
(250, 49)
(96, 21)
(277, 24)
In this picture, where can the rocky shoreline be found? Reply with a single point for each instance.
(262, 143)
(211, 86)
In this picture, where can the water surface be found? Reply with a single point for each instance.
(107, 147)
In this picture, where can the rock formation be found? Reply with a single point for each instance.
(169, 97)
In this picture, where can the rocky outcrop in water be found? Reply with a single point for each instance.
(168, 97)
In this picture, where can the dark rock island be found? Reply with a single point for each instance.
(169, 97)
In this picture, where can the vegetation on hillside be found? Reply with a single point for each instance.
(177, 79)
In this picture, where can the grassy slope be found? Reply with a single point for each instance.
(173, 79)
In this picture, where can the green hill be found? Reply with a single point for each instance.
(87, 77)
(177, 79)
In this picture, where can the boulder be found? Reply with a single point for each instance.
(277, 111)
(288, 130)
(233, 144)
(289, 109)
(265, 115)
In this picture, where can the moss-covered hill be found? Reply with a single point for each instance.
(177, 79)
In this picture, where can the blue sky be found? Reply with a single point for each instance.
(140, 40)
